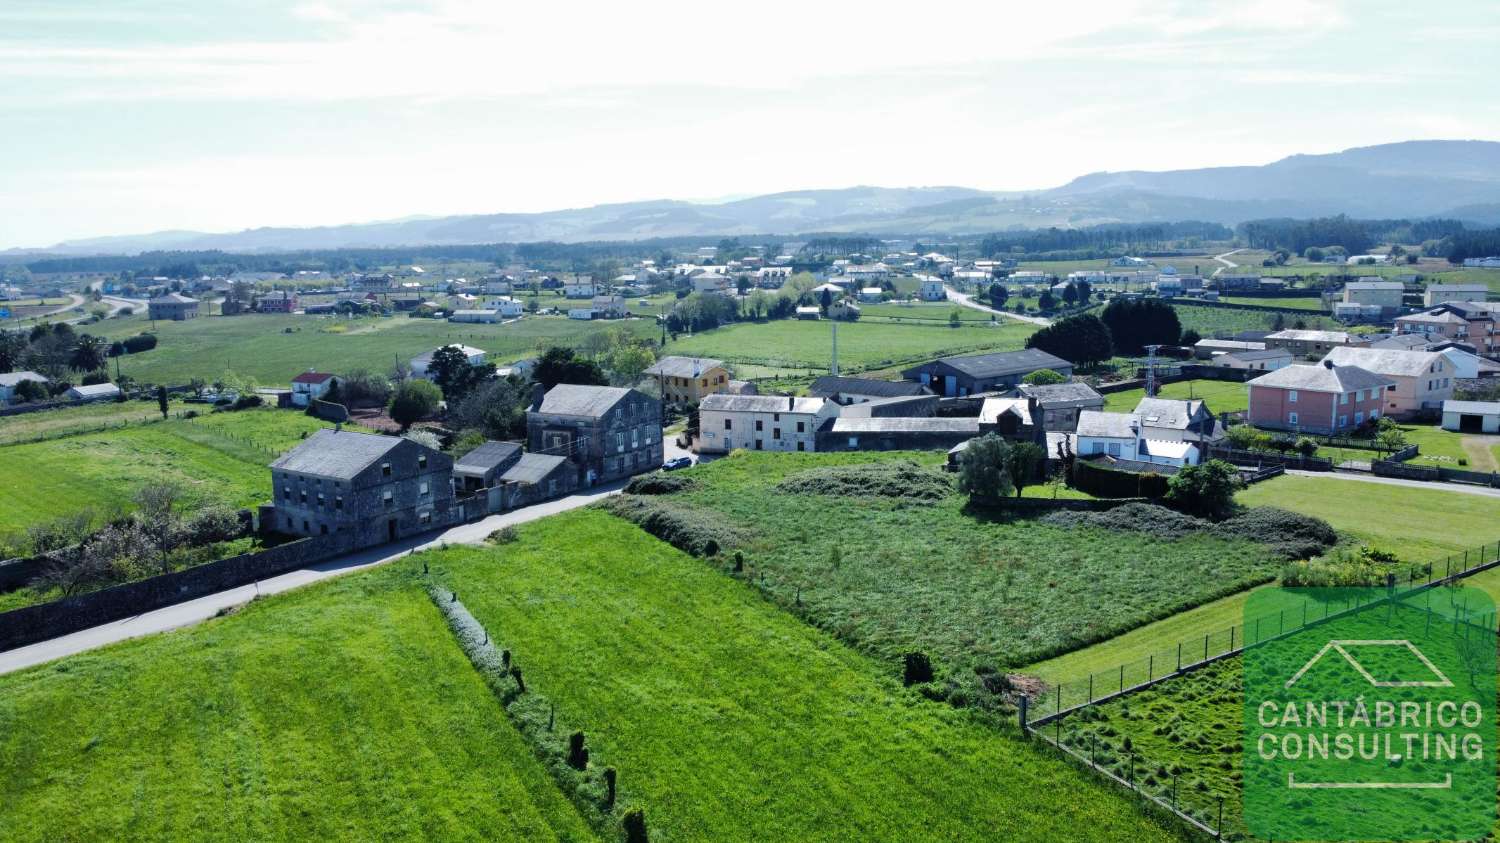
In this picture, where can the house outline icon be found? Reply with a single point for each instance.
(1338, 645)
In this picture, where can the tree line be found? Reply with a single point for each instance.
(1125, 327)
(1109, 237)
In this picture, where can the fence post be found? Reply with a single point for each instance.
(1025, 703)
(1150, 667)
(1122, 677)
(1231, 638)
(1205, 646)
(1091, 688)
(1179, 656)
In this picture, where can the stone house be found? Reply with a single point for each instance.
(606, 432)
(173, 307)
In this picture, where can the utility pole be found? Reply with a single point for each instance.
(1151, 370)
(834, 369)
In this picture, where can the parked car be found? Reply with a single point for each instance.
(674, 464)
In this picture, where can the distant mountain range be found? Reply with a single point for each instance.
(1412, 179)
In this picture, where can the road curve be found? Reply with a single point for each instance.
(968, 301)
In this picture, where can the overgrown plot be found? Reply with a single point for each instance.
(730, 720)
(343, 711)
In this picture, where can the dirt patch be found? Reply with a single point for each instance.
(1481, 451)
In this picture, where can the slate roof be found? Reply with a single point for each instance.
(684, 367)
(760, 404)
(1254, 354)
(1310, 336)
(1406, 342)
(1054, 395)
(1387, 286)
(1386, 361)
(95, 390)
(1171, 413)
(486, 457)
(830, 385)
(907, 424)
(568, 399)
(532, 468)
(173, 298)
(1319, 378)
(14, 378)
(1108, 425)
(338, 454)
(1001, 363)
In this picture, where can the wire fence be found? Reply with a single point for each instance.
(1181, 656)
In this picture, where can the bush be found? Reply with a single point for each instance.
(414, 400)
(659, 483)
(891, 479)
(1206, 489)
(139, 343)
(1149, 518)
(1292, 534)
(1042, 377)
(689, 530)
(214, 524)
(504, 535)
(245, 402)
(1366, 566)
(916, 668)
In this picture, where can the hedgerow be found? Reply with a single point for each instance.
(1291, 535)
(658, 483)
(688, 529)
(891, 479)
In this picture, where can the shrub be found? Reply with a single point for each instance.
(687, 529)
(659, 483)
(1366, 566)
(916, 668)
(214, 524)
(425, 438)
(1206, 489)
(139, 343)
(414, 400)
(504, 535)
(1148, 518)
(635, 826)
(891, 479)
(1291, 534)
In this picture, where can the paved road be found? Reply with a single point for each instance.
(968, 301)
(203, 608)
(1224, 259)
(1461, 488)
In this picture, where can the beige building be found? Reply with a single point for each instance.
(761, 422)
(1423, 379)
(1376, 293)
(687, 380)
(1311, 343)
(1436, 294)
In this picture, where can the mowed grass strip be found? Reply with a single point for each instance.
(890, 576)
(1419, 525)
(863, 346)
(219, 457)
(339, 712)
(729, 719)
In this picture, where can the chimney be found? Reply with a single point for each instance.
(1328, 364)
(791, 403)
(537, 393)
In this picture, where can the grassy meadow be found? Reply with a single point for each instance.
(1221, 396)
(1211, 321)
(890, 575)
(274, 348)
(217, 457)
(729, 719)
(863, 346)
(86, 418)
(340, 712)
(1312, 303)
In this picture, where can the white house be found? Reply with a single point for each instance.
(932, 290)
(710, 282)
(486, 316)
(580, 288)
(609, 307)
(507, 307)
(760, 422)
(1487, 263)
(419, 364)
(1471, 416)
(1119, 435)
(311, 386)
(871, 294)
(581, 313)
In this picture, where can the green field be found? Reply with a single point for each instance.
(1293, 302)
(962, 586)
(219, 457)
(730, 720)
(341, 712)
(1222, 321)
(1221, 396)
(1420, 525)
(923, 312)
(65, 421)
(260, 346)
(863, 346)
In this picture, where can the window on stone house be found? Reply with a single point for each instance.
(421, 461)
(387, 500)
(385, 469)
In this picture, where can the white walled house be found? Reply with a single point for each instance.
(760, 422)
(581, 288)
(932, 290)
(311, 386)
(1120, 435)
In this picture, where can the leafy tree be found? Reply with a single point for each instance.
(1244, 437)
(425, 438)
(826, 301)
(161, 400)
(1085, 292)
(454, 375)
(364, 388)
(467, 441)
(496, 410)
(627, 362)
(984, 470)
(1070, 294)
(30, 390)
(1189, 337)
(998, 295)
(1205, 490)
(1043, 377)
(1046, 301)
(1313, 254)
(559, 365)
(1084, 339)
(1021, 463)
(1306, 446)
(156, 513)
(1135, 324)
(413, 401)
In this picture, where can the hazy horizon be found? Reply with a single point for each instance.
(126, 120)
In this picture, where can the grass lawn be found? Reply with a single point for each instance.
(863, 346)
(49, 424)
(216, 457)
(1314, 303)
(1445, 448)
(964, 587)
(1419, 525)
(274, 348)
(729, 719)
(1222, 396)
(339, 712)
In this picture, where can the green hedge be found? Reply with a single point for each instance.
(1101, 482)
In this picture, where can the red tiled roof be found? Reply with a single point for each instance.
(311, 377)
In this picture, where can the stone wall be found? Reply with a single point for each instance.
(30, 624)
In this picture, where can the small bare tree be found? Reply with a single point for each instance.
(156, 512)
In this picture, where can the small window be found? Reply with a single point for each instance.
(302, 496)
(1343, 421)
(320, 501)
(1291, 418)
(421, 460)
(338, 502)
(759, 425)
(425, 518)
(854, 441)
(422, 489)
(1359, 418)
(385, 469)
(728, 424)
(1291, 396)
(386, 498)
(776, 433)
(323, 528)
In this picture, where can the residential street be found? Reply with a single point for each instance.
(203, 608)
(968, 301)
(1462, 488)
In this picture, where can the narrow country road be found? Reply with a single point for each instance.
(1224, 259)
(1461, 488)
(968, 301)
(201, 609)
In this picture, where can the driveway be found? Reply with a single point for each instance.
(1224, 259)
(203, 608)
(968, 301)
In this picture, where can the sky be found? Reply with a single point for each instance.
(126, 117)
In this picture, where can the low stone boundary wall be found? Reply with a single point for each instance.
(1432, 474)
(30, 624)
